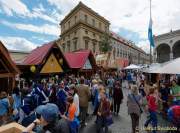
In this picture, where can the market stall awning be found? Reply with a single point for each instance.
(7, 66)
(83, 59)
(48, 58)
(37, 55)
(131, 67)
(152, 68)
(170, 67)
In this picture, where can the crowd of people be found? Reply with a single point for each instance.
(56, 105)
(61, 104)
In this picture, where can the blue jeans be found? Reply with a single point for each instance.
(153, 120)
(177, 102)
(101, 123)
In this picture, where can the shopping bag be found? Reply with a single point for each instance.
(109, 120)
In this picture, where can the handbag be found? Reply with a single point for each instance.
(109, 120)
(141, 111)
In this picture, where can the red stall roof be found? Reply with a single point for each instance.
(78, 59)
(38, 54)
(5, 57)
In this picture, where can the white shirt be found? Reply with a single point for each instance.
(76, 102)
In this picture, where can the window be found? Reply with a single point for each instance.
(93, 22)
(86, 18)
(69, 24)
(86, 44)
(74, 33)
(105, 28)
(114, 53)
(94, 47)
(63, 46)
(75, 44)
(86, 31)
(75, 19)
(118, 53)
(68, 46)
(100, 25)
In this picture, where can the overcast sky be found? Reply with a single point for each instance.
(26, 24)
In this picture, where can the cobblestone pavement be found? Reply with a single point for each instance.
(122, 123)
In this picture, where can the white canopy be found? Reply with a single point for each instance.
(170, 67)
(132, 66)
(152, 68)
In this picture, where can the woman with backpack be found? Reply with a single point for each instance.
(134, 102)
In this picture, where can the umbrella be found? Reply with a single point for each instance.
(132, 66)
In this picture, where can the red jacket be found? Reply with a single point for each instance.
(152, 103)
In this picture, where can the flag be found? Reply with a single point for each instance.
(150, 34)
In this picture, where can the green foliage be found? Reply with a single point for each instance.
(105, 46)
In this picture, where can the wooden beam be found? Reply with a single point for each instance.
(6, 75)
(4, 65)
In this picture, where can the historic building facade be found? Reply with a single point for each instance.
(83, 28)
(124, 49)
(167, 46)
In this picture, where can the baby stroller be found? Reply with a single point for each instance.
(174, 118)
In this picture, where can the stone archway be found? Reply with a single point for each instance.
(176, 49)
(163, 53)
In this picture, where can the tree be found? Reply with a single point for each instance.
(105, 46)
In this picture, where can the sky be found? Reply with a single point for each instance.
(26, 24)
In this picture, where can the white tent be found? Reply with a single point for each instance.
(152, 68)
(170, 67)
(132, 66)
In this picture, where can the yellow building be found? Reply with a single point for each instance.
(83, 28)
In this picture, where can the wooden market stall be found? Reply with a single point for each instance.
(8, 70)
(82, 62)
(46, 60)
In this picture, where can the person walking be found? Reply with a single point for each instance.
(117, 96)
(84, 96)
(103, 113)
(134, 101)
(71, 115)
(73, 91)
(61, 98)
(164, 95)
(152, 107)
(110, 84)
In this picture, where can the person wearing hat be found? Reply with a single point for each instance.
(47, 119)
